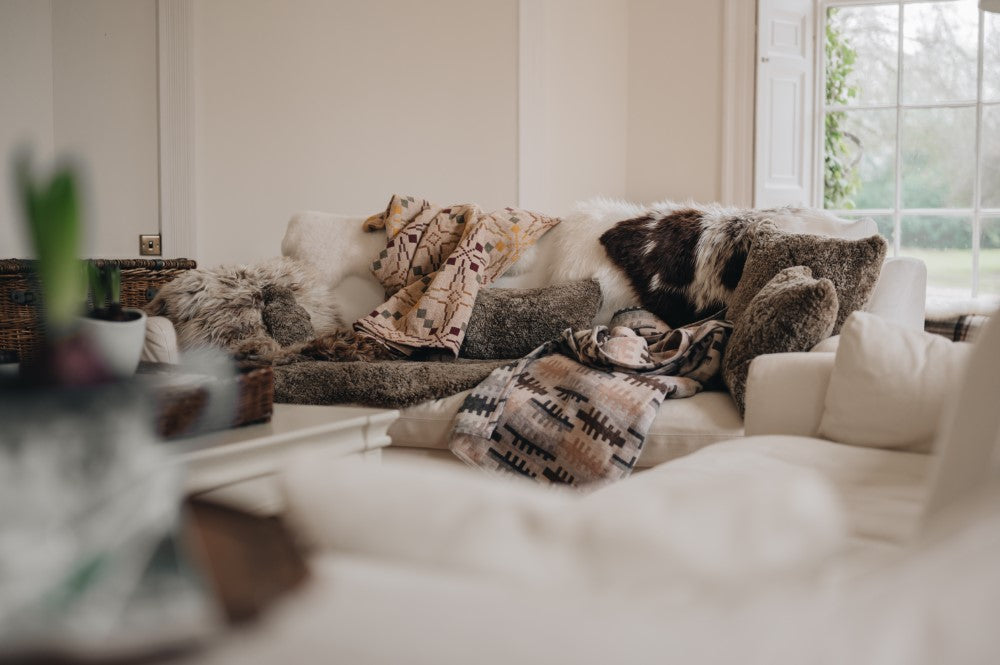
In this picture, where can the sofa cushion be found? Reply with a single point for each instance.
(791, 313)
(511, 323)
(889, 384)
(883, 491)
(681, 426)
(852, 265)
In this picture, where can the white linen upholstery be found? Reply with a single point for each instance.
(882, 491)
(889, 384)
(681, 426)
(161, 341)
(773, 517)
(901, 292)
(786, 393)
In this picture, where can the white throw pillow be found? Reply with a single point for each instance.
(889, 384)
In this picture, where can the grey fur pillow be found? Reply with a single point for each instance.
(853, 266)
(511, 323)
(793, 312)
(286, 321)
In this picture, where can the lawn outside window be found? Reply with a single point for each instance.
(911, 132)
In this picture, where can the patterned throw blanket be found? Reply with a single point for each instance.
(577, 409)
(435, 261)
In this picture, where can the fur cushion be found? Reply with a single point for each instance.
(286, 321)
(223, 307)
(853, 266)
(511, 323)
(792, 312)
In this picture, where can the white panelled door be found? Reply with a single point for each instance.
(784, 147)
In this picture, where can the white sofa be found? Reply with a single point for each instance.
(339, 248)
(732, 554)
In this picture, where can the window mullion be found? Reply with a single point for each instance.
(976, 183)
(897, 218)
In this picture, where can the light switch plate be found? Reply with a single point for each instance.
(149, 245)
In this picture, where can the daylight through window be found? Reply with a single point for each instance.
(911, 133)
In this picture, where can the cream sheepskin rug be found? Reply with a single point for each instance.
(221, 307)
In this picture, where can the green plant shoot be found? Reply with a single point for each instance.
(52, 217)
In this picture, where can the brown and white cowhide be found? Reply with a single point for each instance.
(684, 264)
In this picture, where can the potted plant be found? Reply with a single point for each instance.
(117, 333)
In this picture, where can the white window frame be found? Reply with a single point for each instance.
(897, 212)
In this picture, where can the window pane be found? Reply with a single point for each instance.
(990, 181)
(991, 57)
(945, 245)
(859, 160)
(989, 256)
(940, 48)
(862, 54)
(938, 157)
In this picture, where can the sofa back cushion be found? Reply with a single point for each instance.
(889, 384)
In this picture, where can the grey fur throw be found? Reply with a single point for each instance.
(792, 312)
(685, 264)
(388, 384)
(224, 307)
(511, 323)
(853, 266)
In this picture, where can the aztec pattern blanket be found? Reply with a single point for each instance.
(577, 409)
(435, 261)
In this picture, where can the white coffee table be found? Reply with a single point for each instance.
(241, 465)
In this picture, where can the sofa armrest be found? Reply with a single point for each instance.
(161, 341)
(786, 393)
(901, 291)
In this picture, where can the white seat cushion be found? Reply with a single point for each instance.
(883, 491)
(681, 427)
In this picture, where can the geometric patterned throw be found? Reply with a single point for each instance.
(577, 410)
(434, 263)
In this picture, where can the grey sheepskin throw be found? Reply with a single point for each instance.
(286, 321)
(792, 312)
(853, 266)
(511, 323)
(684, 264)
(387, 384)
(224, 307)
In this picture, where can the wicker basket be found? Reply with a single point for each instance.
(179, 411)
(20, 297)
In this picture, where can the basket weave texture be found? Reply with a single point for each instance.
(21, 302)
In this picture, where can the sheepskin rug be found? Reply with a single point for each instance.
(222, 307)
(714, 248)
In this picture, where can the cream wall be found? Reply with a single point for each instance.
(336, 106)
(105, 112)
(25, 102)
(314, 104)
(574, 102)
(78, 79)
(674, 100)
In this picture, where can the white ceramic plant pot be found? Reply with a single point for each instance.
(119, 342)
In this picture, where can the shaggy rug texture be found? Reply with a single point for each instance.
(574, 250)
(387, 384)
(224, 307)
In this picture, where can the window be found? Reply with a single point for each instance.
(911, 132)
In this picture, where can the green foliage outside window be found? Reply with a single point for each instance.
(840, 177)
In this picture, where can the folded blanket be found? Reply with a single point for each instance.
(577, 409)
(435, 261)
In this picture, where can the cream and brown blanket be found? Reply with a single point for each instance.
(435, 261)
(577, 409)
